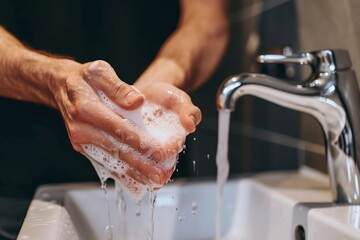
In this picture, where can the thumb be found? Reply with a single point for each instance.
(101, 76)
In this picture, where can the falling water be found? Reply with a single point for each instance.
(222, 165)
(152, 199)
(110, 226)
(121, 205)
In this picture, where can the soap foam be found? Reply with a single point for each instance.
(156, 126)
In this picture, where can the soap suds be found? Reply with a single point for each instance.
(154, 125)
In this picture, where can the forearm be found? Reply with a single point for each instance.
(193, 51)
(26, 74)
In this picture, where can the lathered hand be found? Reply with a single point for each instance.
(87, 118)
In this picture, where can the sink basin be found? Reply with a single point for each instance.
(274, 205)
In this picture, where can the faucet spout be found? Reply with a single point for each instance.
(321, 96)
(233, 87)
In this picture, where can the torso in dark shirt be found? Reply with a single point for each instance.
(34, 146)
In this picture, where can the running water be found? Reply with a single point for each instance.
(222, 165)
(152, 199)
(121, 205)
(110, 226)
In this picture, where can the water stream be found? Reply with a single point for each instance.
(109, 228)
(222, 164)
(121, 206)
(152, 200)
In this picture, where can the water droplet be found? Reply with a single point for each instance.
(138, 210)
(194, 206)
(109, 231)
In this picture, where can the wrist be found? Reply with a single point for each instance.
(163, 69)
(196, 48)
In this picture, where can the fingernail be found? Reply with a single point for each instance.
(156, 156)
(155, 178)
(136, 89)
(133, 96)
(193, 119)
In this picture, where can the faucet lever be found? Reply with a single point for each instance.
(319, 61)
(304, 58)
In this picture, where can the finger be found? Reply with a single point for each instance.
(137, 177)
(88, 108)
(132, 184)
(102, 76)
(95, 113)
(80, 134)
(146, 167)
(179, 102)
(77, 147)
(86, 134)
(110, 157)
(190, 117)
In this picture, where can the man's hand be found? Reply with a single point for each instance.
(159, 83)
(88, 119)
(173, 98)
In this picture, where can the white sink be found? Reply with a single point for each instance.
(263, 206)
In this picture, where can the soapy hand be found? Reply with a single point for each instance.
(173, 98)
(168, 136)
(164, 82)
(88, 119)
(160, 129)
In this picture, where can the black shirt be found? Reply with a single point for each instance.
(34, 146)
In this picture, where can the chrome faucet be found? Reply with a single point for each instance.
(330, 94)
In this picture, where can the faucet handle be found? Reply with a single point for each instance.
(319, 61)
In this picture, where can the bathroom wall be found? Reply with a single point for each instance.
(264, 136)
(327, 24)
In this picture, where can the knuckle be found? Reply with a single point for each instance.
(75, 134)
(99, 68)
(78, 110)
(102, 64)
(118, 88)
(120, 134)
(137, 165)
(99, 64)
(73, 112)
(120, 154)
(162, 153)
(164, 176)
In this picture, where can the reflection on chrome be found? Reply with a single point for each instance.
(331, 95)
(354, 216)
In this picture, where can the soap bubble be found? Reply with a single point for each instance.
(157, 127)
